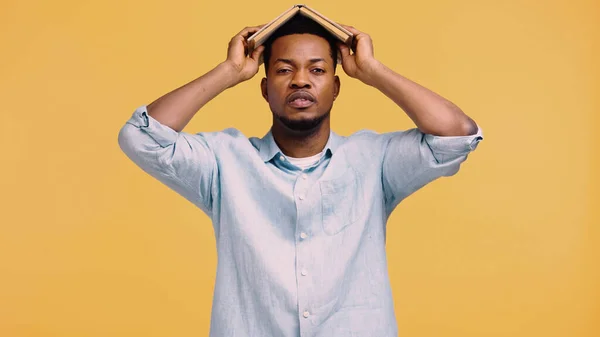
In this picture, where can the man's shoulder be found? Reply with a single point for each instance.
(225, 135)
(228, 139)
(364, 146)
(370, 137)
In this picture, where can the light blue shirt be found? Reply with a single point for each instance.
(300, 252)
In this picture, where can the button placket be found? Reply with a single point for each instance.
(301, 190)
(304, 205)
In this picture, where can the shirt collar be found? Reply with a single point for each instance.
(269, 149)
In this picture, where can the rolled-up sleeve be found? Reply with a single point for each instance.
(182, 161)
(412, 159)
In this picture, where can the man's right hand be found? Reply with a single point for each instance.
(244, 67)
(176, 108)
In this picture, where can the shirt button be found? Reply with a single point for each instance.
(303, 272)
(306, 314)
(301, 197)
(282, 157)
(303, 235)
(304, 176)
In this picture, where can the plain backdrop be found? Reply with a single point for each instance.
(90, 245)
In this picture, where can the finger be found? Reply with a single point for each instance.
(257, 53)
(244, 33)
(247, 30)
(344, 50)
(242, 37)
(352, 29)
(354, 44)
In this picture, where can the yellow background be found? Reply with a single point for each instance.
(92, 246)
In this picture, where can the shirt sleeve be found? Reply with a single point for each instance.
(412, 159)
(182, 161)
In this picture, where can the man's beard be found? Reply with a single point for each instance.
(302, 125)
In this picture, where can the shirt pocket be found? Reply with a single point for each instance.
(340, 202)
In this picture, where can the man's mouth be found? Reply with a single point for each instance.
(300, 103)
(300, 100)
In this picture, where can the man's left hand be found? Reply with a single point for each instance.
(362, 63)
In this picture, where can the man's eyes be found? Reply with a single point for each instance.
(285, 70)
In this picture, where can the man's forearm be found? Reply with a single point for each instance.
(176, 108)
(431, 113)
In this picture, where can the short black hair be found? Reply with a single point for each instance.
(300, 24)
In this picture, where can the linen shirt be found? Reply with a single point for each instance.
(301, 253)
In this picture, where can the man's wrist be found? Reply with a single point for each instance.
(372, 71)
(230, 73)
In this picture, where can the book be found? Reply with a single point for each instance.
(267, 30)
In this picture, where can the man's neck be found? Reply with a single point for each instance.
(301, 145)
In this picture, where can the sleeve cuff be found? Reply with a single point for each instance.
(162, 134)
(454, 144)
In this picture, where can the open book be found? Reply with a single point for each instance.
(263, 34)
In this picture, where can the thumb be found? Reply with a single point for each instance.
(344, 50)
(256, 53)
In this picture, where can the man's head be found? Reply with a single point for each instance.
(300, 84)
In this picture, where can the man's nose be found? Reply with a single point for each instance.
(300, 80)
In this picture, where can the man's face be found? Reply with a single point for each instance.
(300, 85)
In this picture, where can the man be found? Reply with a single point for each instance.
(300, 214)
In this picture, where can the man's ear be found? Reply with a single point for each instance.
(336, 87)
(263, 88)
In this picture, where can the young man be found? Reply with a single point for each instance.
(300, 214)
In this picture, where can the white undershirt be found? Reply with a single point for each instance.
(306, 162)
